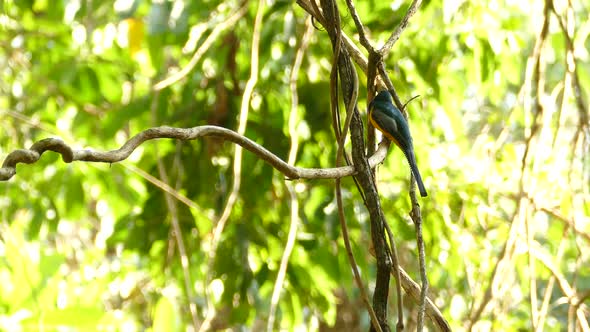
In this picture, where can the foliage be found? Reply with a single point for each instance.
(508, 179)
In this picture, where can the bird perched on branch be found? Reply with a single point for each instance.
(390, 121)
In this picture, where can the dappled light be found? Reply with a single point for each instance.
(237, 165)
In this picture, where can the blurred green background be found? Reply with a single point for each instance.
(87, 247)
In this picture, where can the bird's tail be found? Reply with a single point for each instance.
(414, 167)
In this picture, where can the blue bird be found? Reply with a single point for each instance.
(390, 121)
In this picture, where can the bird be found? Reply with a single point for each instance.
(389, 120)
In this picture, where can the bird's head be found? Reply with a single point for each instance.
(383, 98)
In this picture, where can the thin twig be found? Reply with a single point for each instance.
(384, 51)
(165, 188)
(336, 46)
(293, 121)
(534, 86)
(177, 233)
(176, 230)
(354, 52)
(505, 257)
(414, 290)
(349, 110)
(242, 123)
(550, 284)
(33, 122)
(374, 59)
(531, 267)
(572, 72)
(417, 218)
(237, 162)
(570, 293)
(359, 27)
(396, 270)
(219, 28)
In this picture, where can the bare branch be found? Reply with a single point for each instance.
(400, 28)
(413, 289)
(570, 292)
(33, 154)
(417, 218)
(397, 275)
(355, 53)
(359, 26)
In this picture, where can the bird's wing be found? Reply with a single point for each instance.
(388, 125)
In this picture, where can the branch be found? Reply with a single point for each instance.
(400, 28)
(414, 290)
(573, 298)
(417, 219)
(498, 273)
(359, 27)
(354, 52)
(397, 275)
(33, 154)
(544, 310)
